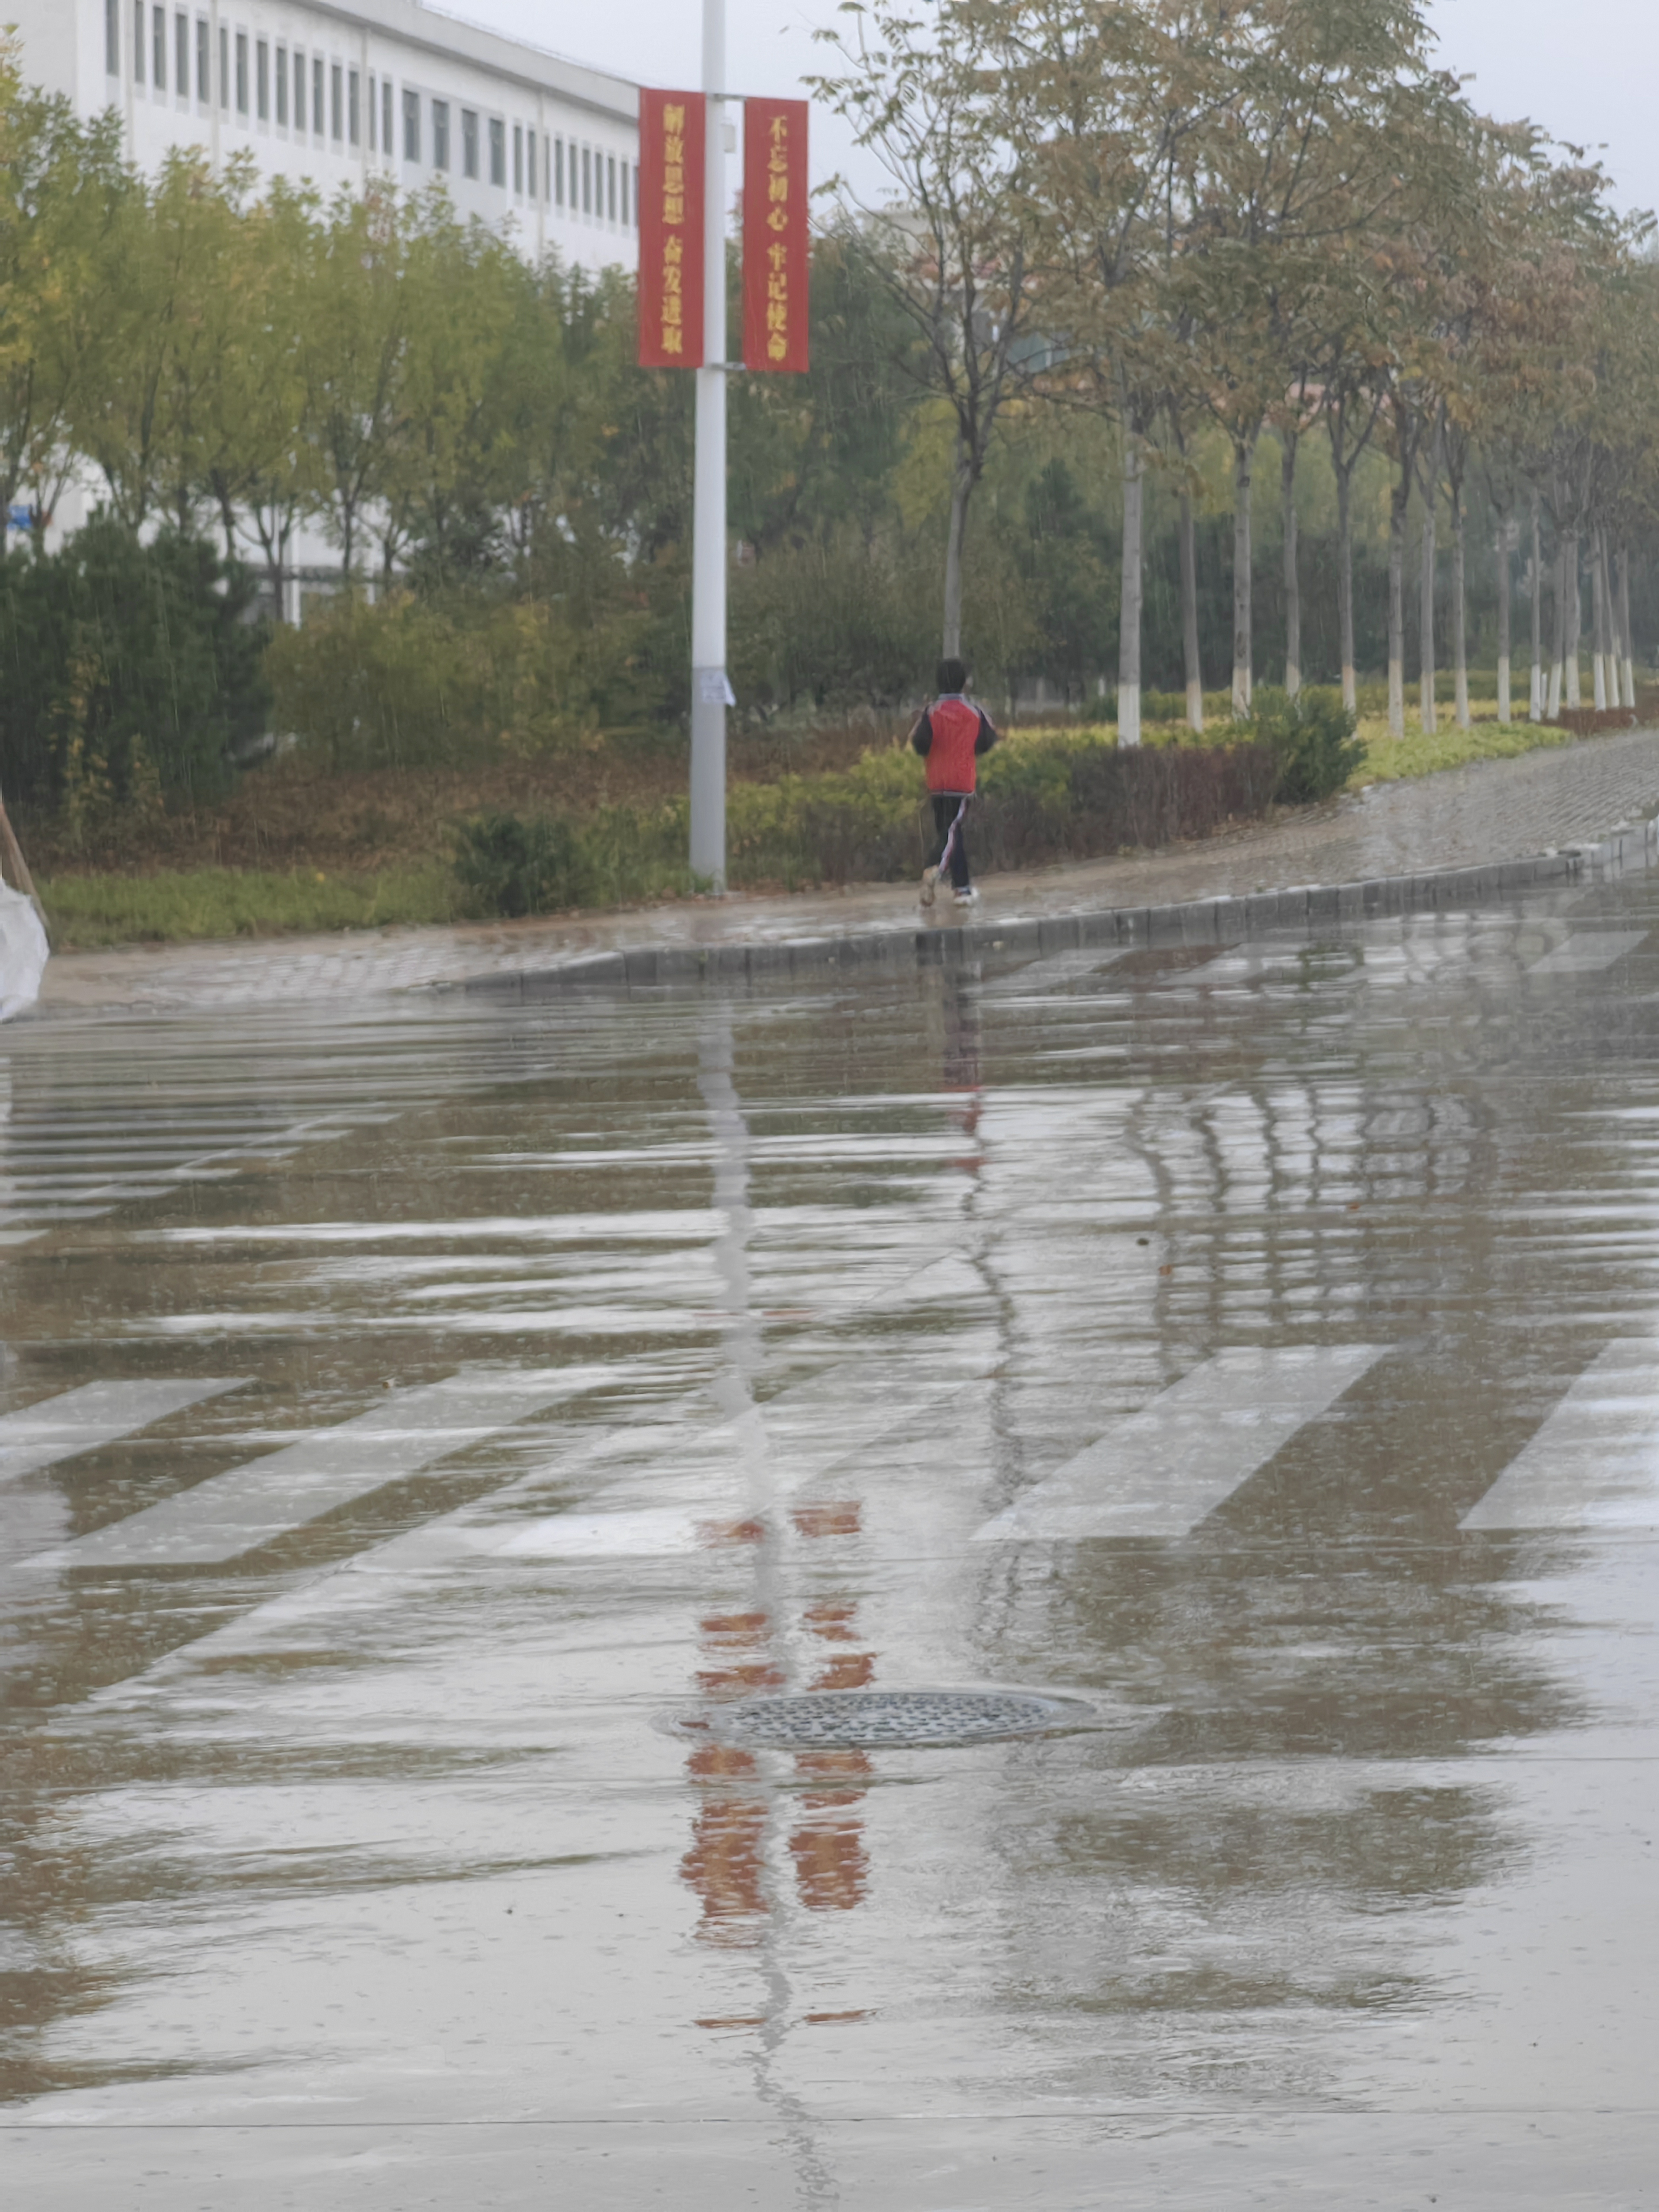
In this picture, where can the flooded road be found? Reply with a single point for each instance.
(420, 1423)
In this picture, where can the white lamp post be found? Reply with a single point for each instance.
(708, 684)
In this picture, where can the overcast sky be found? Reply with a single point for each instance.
(1587, 71)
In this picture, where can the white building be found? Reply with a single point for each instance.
(345, 91)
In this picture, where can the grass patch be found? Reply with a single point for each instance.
(176, 904)
(1419, 753)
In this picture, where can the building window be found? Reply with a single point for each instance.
(497, 150)
(530, 166)
(112, 37)
(518, 158)
(224, 67)
(587, 181)
(262, 79)
(281, 88)
(411, 126)
(624, 195)
(299, 92)
(611, 185)
(353, 103)
(181, 55)
(317, 96)
(558, 172)
(336, 103)
(203, 67)
(386, 117)
(158, 57)
(440, 134)
(241, 72)
(469, 141)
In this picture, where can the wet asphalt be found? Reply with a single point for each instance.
(421, 1422)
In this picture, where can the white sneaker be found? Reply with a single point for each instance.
(929, 885)
(968, 897)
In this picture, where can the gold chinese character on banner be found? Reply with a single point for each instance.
(674, 119)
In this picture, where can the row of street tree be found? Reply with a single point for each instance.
(1275, 216)
(1135, 255)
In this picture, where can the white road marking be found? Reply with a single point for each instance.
(96, 1414)
(1161, 1471)
(233, 1513)
(1585, 952)
(1595, 1462)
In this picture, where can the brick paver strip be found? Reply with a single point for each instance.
(1485, 831)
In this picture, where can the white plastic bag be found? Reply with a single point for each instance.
(22, 953)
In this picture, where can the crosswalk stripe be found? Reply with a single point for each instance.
(1161, 1471)
(1595, 1462)
(1583, 954)
(236, 1512)
(94, 1413)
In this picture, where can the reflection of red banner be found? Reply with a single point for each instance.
(774, 275)
(672, 176)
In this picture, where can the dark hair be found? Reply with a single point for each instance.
(951, 675)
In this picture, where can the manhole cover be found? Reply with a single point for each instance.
(867, 1719)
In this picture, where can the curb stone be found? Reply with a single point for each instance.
(1225, 920)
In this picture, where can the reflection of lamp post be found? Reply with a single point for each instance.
(709, 688)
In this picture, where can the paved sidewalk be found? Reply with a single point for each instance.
(1492, 812)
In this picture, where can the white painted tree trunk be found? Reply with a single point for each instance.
(1397, 606)
(1345, 589)
(1626, 645)
(1292, 581)
(1503, 515)
(1575, 620)
(1189, 613)
(1460, 636)
(1129, 597)
(1243, 655)
(1558, 660)
(1425, 592)
(1535, 698)
(1598, 627)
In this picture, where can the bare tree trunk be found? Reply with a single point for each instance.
(1459, 625)
(1345, 589)
(1504, 587)
(1598, 627)
(1626, 643)
(1189, 613)
(961, 485)
(1129, 631)
(1558, 658)
(1243, 655)
(1575, 619)
(1536, 696)
(1610, 607)
(1292, 582)
(1398, 500)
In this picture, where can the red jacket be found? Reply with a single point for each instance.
(950, 735)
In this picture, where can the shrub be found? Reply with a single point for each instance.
(1311, 737)
(129, 669)
(514, 867)
(408, 683)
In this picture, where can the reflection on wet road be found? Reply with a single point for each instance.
(401, 1411)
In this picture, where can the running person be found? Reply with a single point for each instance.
(950, 735)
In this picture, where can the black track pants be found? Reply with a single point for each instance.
(947, 805)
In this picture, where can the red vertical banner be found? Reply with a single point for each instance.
(775, 264)
(671, 177)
